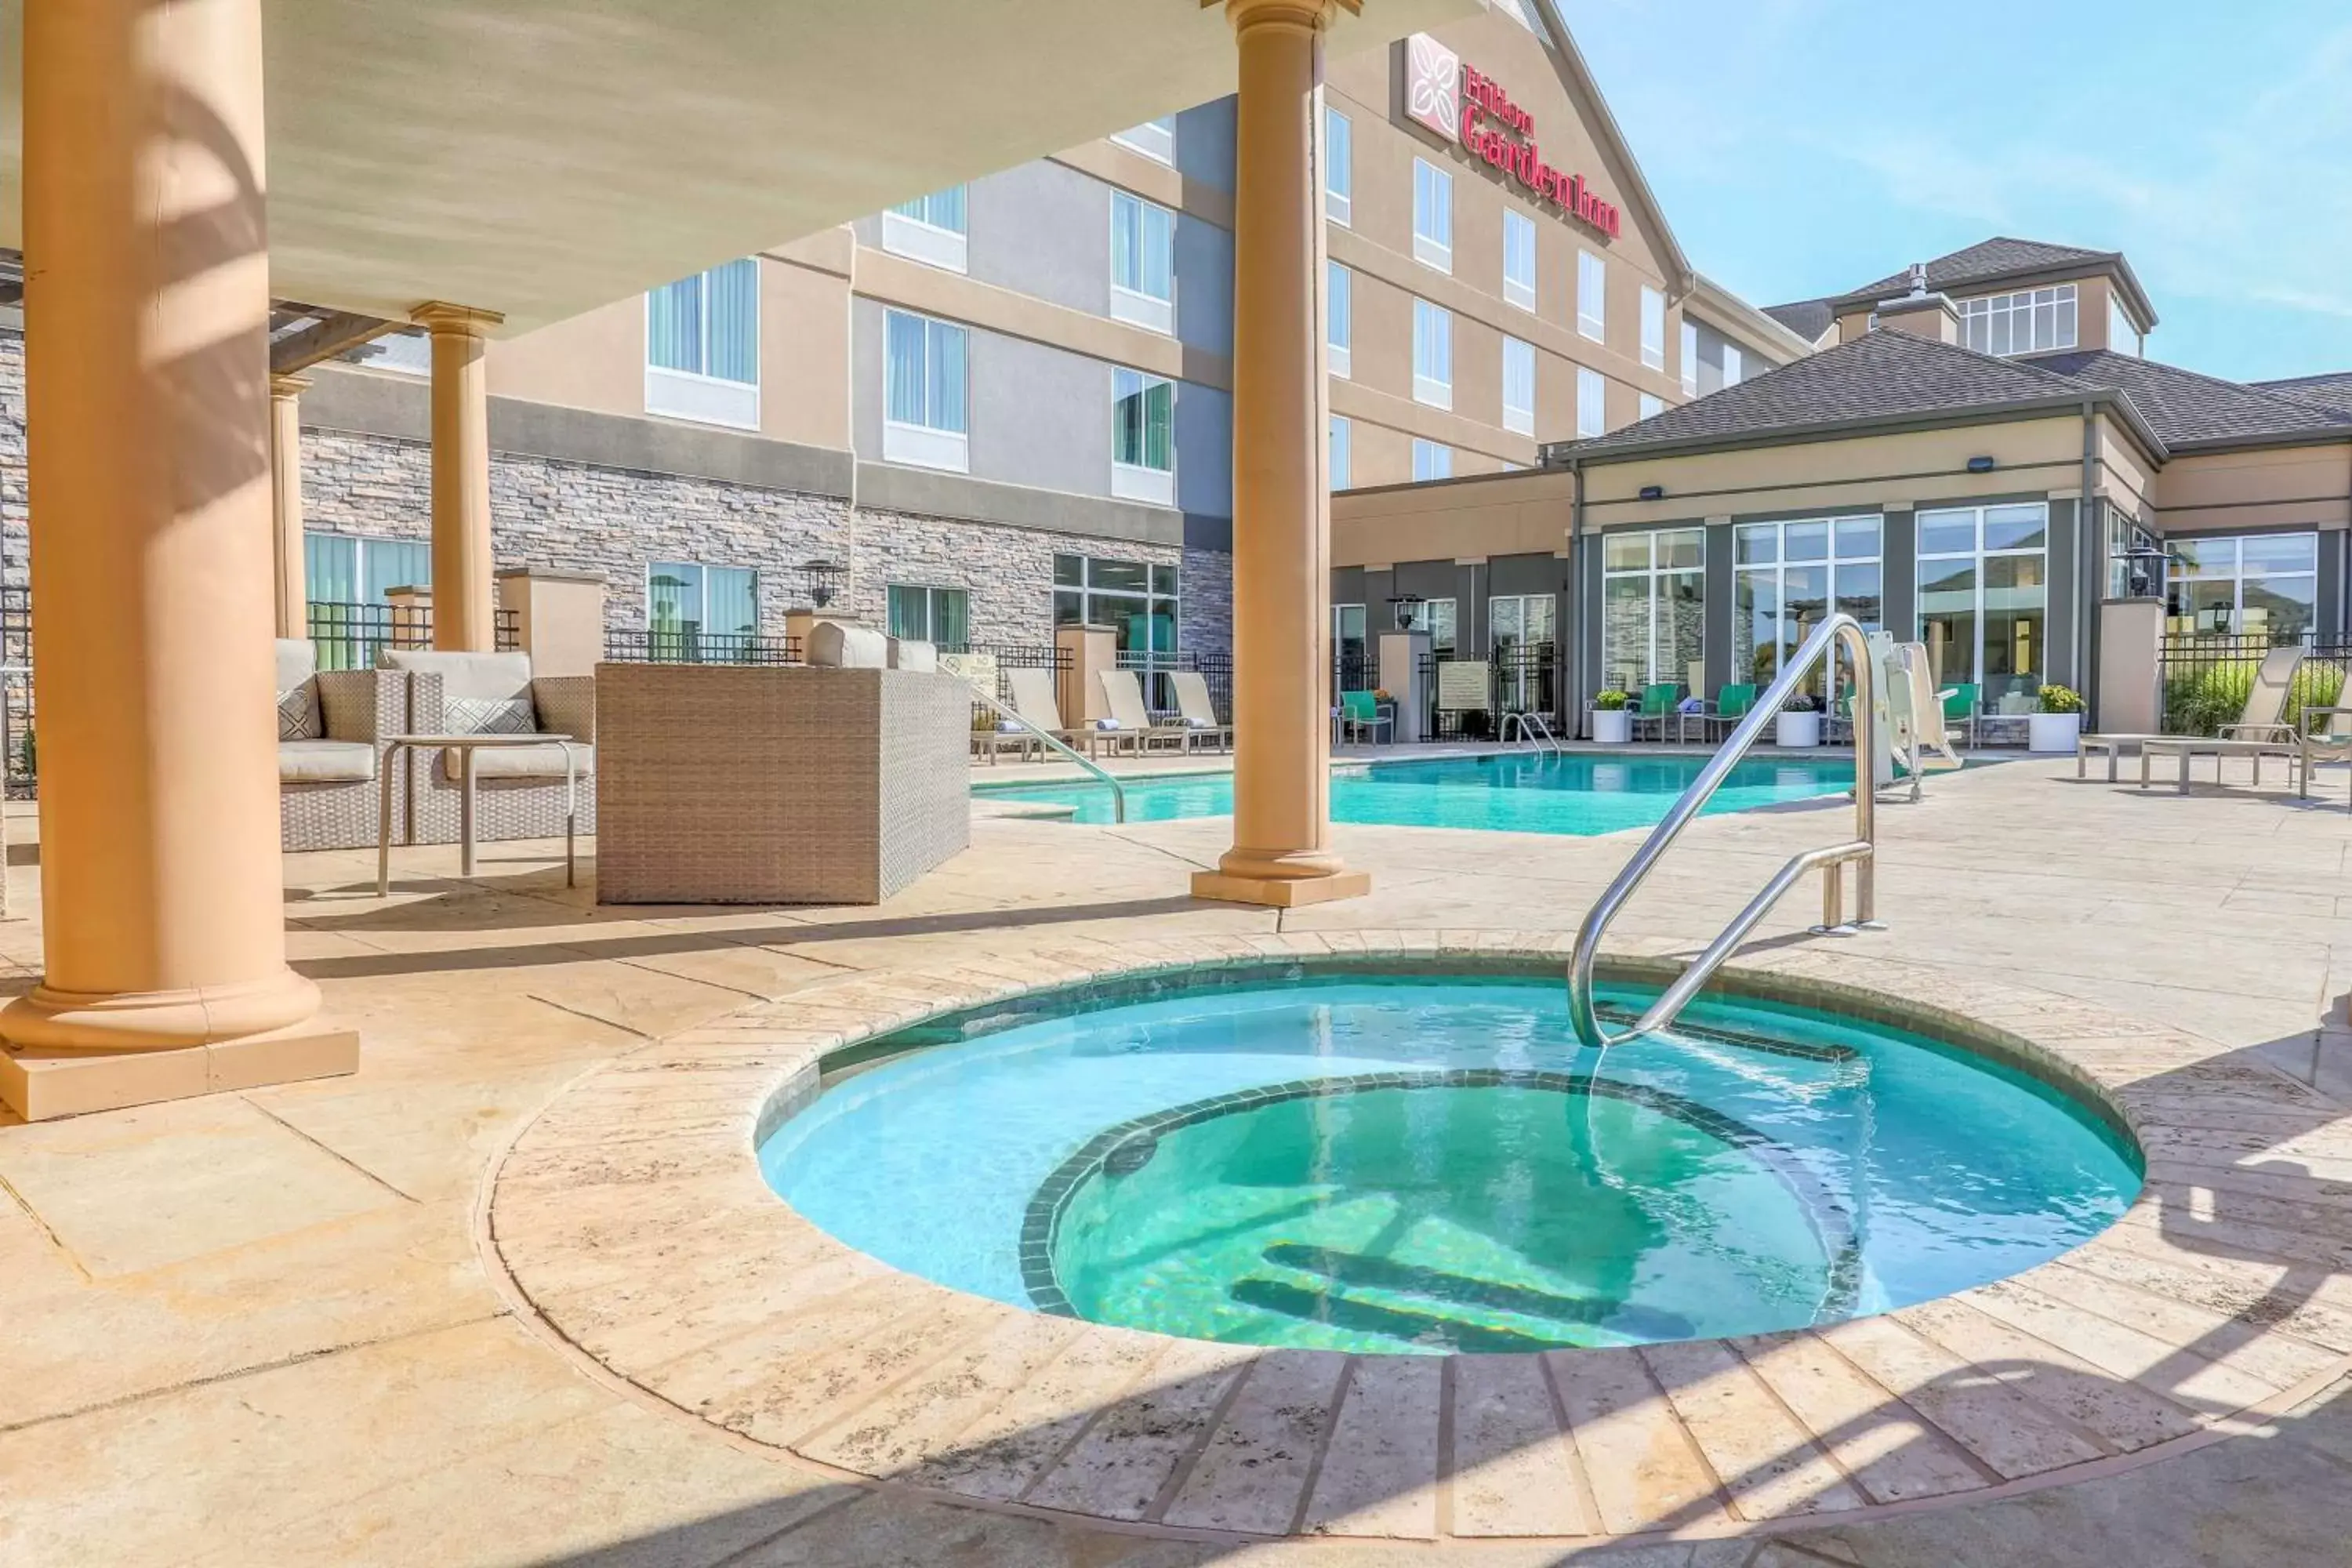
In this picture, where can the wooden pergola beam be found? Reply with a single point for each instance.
(329, 333)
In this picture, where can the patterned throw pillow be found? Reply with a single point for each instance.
(299, 718)
(488, 716)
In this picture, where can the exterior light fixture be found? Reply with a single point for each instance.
(1653, 492)
(1980, 464)
(824, 579)
(1406, 605)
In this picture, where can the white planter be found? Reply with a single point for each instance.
(2053, 732)
(1613, 726)
(1797, 730)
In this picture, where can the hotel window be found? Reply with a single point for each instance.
(940, 616)
(1136, 599)
(1690, 360)
(1339, 168)
(1155, 139)
(2032, 321)
(344, 569)
(1653, 328)
(1653, 607)
(1340, 318)
(1652, 404)
(1430, 460)
(1733, 366)
(929, 229)
(1526, 623)
(1351, 647)
(1983, 596)
(1432, 354)
(1786, 579)
(923, 401)
(1142, 262)
(1591, 403)
(1518, 386)
(1592, 296)
(702, 346)
(1143, 438)
(1343, 440)
(2255, 586)
(1436, 618)
(2123, 337)
(1518, 259)
(698, 615)
(1432, 217)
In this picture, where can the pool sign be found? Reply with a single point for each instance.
(1462, 104)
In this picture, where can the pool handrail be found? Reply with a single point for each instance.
(1820, 645)
(1534, 729)
(1117, 790)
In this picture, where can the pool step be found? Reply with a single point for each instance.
(1714, 1034)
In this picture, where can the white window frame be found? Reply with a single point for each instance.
(1428, 387)
(1652, 406)
(1518, 239)
(1653, 328)
(1988, 322)
(1155, 139)
(1338, 167)
(1979, 612)
(691, 395)
(926, 446)
(1432, 460)
(1836, 562)
(1342, 452)
(1519, 364)
(1592, 296)
(1735, 365)
(1130, 305)
(1140, 481)
(1339, 319)
(2123, 336)
(1689, 367)
(2236, 576)
(933, 244)
(1591, 403)
(1653, 574)
(1432, 216)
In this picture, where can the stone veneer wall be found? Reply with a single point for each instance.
(15, 539)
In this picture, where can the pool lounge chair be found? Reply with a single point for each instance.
(1032, 696)
(1198, 713)
(1132, 727)
(1361, 712)
(2325, 737)
(2260, 730)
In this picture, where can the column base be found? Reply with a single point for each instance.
(40, 1084)
(1281, 892)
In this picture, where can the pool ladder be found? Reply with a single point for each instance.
(1534, 729)
(1117, 790)
(1820, 647)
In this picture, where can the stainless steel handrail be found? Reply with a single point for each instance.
(1117, 790)
(1862, 849)
(1534, 729)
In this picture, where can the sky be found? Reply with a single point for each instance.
(1806, 147)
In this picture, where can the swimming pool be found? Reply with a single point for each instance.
(1516, 791)
(1418, 1163)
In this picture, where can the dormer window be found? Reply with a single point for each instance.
(2029, 321)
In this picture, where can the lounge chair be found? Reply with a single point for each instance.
(1197, 712)
(1032, 696)
(1656, 706)
(1132, 725)
(2260, 730)
(520, 792)
(1361, 712)
(2325, 737)
(332, 729)
(1960, 703)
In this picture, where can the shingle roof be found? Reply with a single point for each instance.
(2333, 389)
(1982, 262)
(2184, 407)
(1809, 319)
(1885, 375)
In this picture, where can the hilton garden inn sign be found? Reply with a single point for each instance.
(1462, 104)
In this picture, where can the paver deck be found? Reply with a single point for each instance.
(296, 1326)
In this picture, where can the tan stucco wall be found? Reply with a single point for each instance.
(2311, 486)
(1511, 514)
(2125, 473)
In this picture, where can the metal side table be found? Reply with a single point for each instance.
(466, 746)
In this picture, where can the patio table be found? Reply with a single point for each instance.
(466, 746)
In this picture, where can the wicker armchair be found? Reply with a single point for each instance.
(332, 727)
(519, 792)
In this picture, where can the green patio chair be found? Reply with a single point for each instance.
(1731, 705)
(1656, 706)
(1961, 708)
(1363, 712)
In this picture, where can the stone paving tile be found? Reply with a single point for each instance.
(1253, 1472)
(1514, 1471)
(2009, 1433)
(1379, 1475)
(1645, 1472)
(1890, 1454)
(1128, 1454)
(1766, 1461)
(1005, 1448)
(925, 1414)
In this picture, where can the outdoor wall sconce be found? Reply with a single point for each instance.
(1406, 605)
(1980, 464)
(1653, 492)
(823, 580)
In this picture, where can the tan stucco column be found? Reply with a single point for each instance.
(147, 312)
(1282, 503)
(463, 618)
(286, 502)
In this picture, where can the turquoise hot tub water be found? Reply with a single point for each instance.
(1427, 1163)
(1517, 792)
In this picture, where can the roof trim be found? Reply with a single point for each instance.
(1579, 79)
(2111, 264)
(1713, 295)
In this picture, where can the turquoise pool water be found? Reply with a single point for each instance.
(1420, 1164)
(1520, 793)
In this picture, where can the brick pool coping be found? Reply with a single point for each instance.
(631, 1218)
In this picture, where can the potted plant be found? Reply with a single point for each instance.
(1612, 725)
(2057, 724)
(1799, 722)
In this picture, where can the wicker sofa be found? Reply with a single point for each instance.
(519, 791)
(332, 727)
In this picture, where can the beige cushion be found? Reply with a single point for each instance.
(906, 653)
(466, 676)
(325, 761)
(837, 645)
(520, 762)
(299, 718)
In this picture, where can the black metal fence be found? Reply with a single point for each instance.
(1521, 678)
(349, 637)
(687, 645)
(1215, 670)
(2207, 680)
